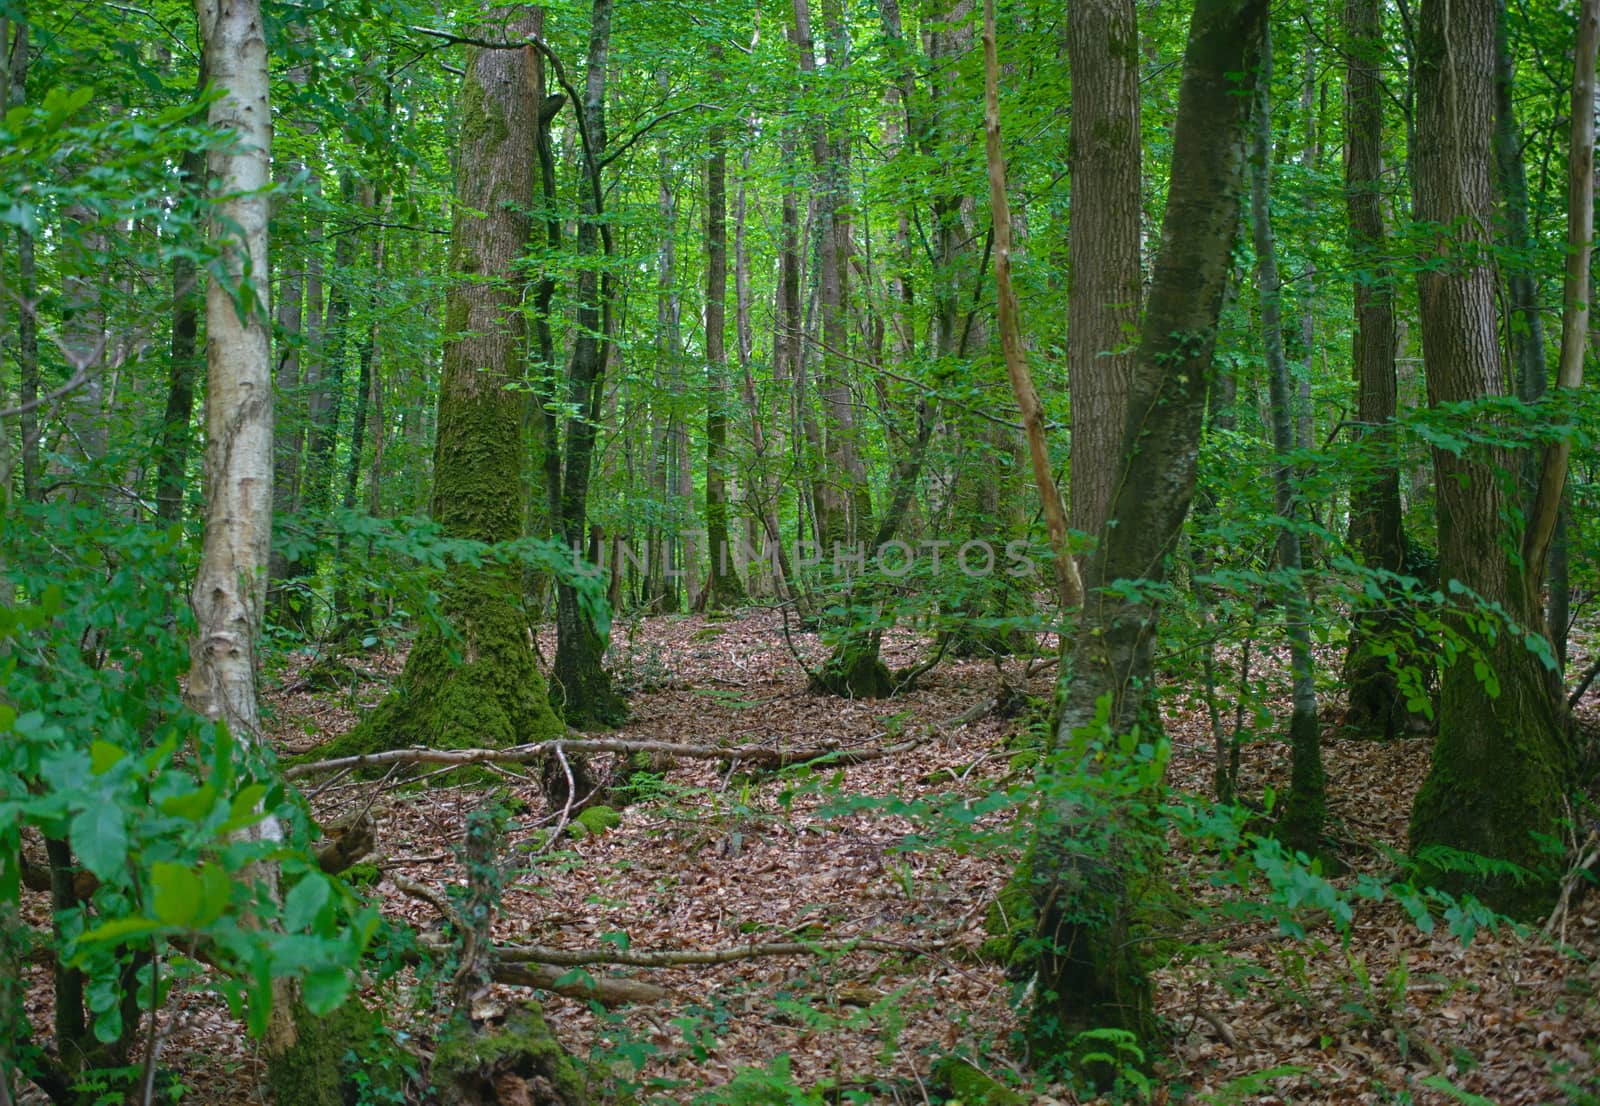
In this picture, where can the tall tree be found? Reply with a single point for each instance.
(230, 587)
(1103, 250)
(722, 581)
(1069, 587)
(1090, 974)
(1301, 816)
(1375, 704)
(1499, 762)
(581, 686)
(491, 693)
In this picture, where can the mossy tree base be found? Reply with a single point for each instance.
(317, 1069)
(518, 1061)
(1500, 768)
(855, 671)
(580, 687)
(479, 688)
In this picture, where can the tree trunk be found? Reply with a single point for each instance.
(1069, 588)
(231, 583)
(327, 398)
(723, 588)
(27, 298)
(1305, 806)
(1375, 705)
(1499, 761)
(1092, 976)
(493, 694)
(1103, 251)
(580, 685)
(172, 452)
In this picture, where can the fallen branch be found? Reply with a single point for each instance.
(760, 755)
(607, 990)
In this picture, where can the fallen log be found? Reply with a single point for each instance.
(759, 755)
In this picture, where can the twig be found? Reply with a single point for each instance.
(428, 895)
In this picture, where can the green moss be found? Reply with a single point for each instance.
(480, 690)
(1009, 921)
(963, 1083)
(1495, 786)
(362, 875)
(467, 1060)
(598, 819)
(317, 1070)
(855, 671)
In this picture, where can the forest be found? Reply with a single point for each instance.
(800, 552)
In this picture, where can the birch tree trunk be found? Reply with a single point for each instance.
(230, 587)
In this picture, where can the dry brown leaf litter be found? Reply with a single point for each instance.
(728, 864)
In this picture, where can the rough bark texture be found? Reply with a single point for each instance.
(1304, 807)
(1081, 873)
(1499, 760)
(480, 687)
(1375, 705)
(1103, 251)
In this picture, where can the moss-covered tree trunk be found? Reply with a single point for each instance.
(1499, 762)
(478, 685)
(1090, 973)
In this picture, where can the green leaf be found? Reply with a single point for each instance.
(244, 810)
(100, 838)
(120, 929)
(305, 902)
(325, 989)
(192, 805)
(178, 894)
(103, 756)
(216, 892)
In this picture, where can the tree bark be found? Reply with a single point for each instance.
(492, 693)
(230, 586)
(1092, 975)
(581, 686)
(723, 588)
(172, 452)
(1069, 588)
(1499, 761)
(1305, 806)
(1375, 704)
(1103, 251)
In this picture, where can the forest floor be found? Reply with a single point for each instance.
(710, 861)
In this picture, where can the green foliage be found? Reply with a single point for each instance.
(101, 758)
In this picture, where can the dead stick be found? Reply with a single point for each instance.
(523, 754)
